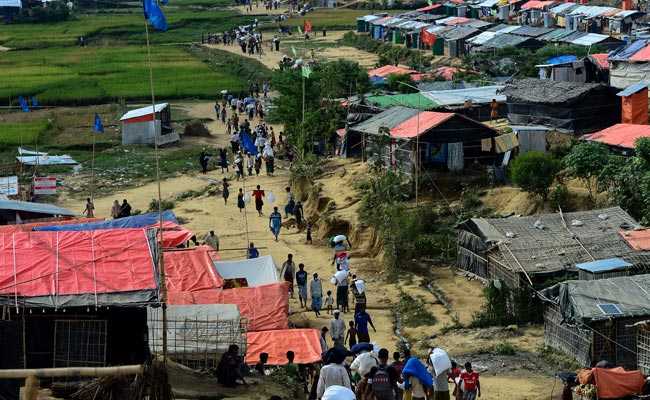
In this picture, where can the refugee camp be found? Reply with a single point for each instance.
(324, 200)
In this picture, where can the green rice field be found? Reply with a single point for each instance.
(15, 134)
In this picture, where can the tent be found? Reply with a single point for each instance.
(30, 226)
(67, 269)
(191, 270)
(256, 271)
(305, 343)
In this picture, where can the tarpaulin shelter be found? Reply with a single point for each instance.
(363, 23)
(191, 270)
(15, 211)
(39, 158)
(584, 318)
(197, 334)
(480, 99)
(630, 64)
(305, 343)
(266, 307)
(26, 227)
(566, 106)
(620, 137)
(617, 383)
(257, 271)
(634, 102)
(602, 269)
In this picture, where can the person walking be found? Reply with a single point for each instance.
(316, 290)
(252, 251)
(240, 200)
(258, 164)
(258, 194)
(298, 213)
(212, 240)
(288, 272)
(341, 278)
(351, 336)
(115, 210)
(470, 383)
(89, 211)
(288, 208)
(203, 161)
(361, 321)
(223, 159)
(301, 282)
(275, 223)
(337, 329)
(225, 192)
(239, 166)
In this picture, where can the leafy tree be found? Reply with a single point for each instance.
(401, 83)
(585, 161)
(534, 172)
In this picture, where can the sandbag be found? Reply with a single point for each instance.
(440, 361)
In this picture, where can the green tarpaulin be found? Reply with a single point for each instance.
(413, 100)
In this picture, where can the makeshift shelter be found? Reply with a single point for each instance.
(474, 102)
(142, 126)
(191, 270)
(531, 137)
(506, 40)
(603, 269)
(643, 346)
(363, 23)
(634, 101)
(16, 212)
(521, 250)
(454, 40)
(593, 320)
(305, 343)
(566, 106)
(89, 290)
(447, 140)
(630, 64)
(378, 76)
(38, 158)
(197, 334)
(251, 272)
(568, 68)
(357, 136)
(26, 227)
(413, 100)
(620, 137)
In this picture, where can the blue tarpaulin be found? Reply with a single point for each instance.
(561, 60)
(136, 221)
(609, 264)
(628, 51)
(630, 90)
(247, 143)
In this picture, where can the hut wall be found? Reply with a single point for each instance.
(472, 254)
(643, 350)
(498, 271)
(590, 276)
(570, 340)
(621, 331)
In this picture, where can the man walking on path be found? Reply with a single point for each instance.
(275, 223)
(288, 272)
(361, 321)
(89, 211)
(212, 240)
(301, 281)
(259, 200)
(316, 289)
(337, 329)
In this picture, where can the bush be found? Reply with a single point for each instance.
(560, 197)
(196, 128)
(166, 205)
(505, 349)
(586, 161)
(413, 311)
(534, 172)
(401, 83)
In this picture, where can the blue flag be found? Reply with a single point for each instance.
(23, 104)
(247, 143)
(99, 127)
(35, 102)
(154, 15)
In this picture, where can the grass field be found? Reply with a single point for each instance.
(332, 18)
(92, 75)
(15, 134)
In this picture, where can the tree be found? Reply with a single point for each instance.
(534, 172)
(585, 161)
(401, 83)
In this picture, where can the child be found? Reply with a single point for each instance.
(351, 336)
(240, 200)
(329, 302)
(260, 367)
(309, 234)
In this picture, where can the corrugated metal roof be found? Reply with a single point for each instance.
(394, 22)
(419, 124)
(630, 90)
(459, 32)
(555, 35)
(388, 119)
(531, 31)
(625, 13)
(563, 8)
(628, 51)
(39, 208)
(537, 4)
(481, 38)
(478, 95)
(443, 21)
(439, 29)
(592, 11)
(368, 18)
(141, 112)
(573, 36)
(590, 39)
(505, 40)
(477, 23)
(620, 135)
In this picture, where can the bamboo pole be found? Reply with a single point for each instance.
(71, 372)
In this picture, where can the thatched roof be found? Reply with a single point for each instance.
(532, 90)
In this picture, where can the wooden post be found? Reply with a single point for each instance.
(71, 372)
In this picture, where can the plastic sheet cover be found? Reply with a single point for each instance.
(32, 225)
(257, 271)
(190, 270)
(52, 269)
(305, 343)
(266, 307)
(136, 221)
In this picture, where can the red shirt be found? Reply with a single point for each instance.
(258, 194)
(454, 373)
(470, 379)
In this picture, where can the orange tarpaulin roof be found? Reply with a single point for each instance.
(537, 4)
(305, 343)
(446, 72)
(429, 8)
(266, 307)
(457, 21)
(424, 121)
(621, 135)
(390, 69)
(191, 270)
(174, 234)
(642, 55)
(637, 240)
(617, 383)
(601, 59)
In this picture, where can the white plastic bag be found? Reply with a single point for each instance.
(440, 361)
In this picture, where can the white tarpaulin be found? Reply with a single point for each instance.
(257, 271)
(9, 185)
(11, 3)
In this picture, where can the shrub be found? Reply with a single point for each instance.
(505, 349)
(534, 172)
(166, 205)
(196, 128)
(413, 311)
(585, 161)
(560, 197)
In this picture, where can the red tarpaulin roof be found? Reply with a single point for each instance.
(265, 306)
(457, 21)
(642, 55)
(29, 226)
(637, 240)
(305, 343)
(446, 72)
(390, 69)
(424, 121)
(429, 8)
(173, 234)
(54, 264)
(601, 60)
(537, 4)
(620, 135)
(191, 270)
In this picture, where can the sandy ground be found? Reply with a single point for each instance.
(303, 49)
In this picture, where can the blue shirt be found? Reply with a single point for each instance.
(361, 319)
(301, 278)
(253, 253)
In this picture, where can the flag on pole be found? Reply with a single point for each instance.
(306, 71)
(23, 104)
(154, 15)
(299, 30)
(307, 26)
(99, 127)
(34, 102)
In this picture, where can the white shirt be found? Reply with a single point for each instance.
(332, 375)
(260, 141)
(268, 151)
(364, 363)
(337, 328)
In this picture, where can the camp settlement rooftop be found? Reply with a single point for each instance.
(550, 243)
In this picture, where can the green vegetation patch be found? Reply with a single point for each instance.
(413, 311)
(15, 134)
